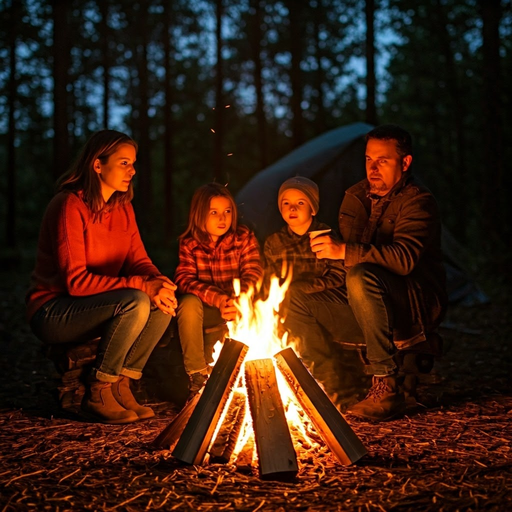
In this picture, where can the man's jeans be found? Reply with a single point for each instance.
(193, 317)
(363, 311)
(126, 322)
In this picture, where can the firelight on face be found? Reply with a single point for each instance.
(219, 217)
(384, 166)
(296, 210)
(117, 173)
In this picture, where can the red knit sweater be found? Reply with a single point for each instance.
(79, 257)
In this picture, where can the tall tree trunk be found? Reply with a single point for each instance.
(321, 116)
(105, 39)
(10, 220)
(60, 77)
(295, 17)
(458, 115)
(371, 110)
(258, 82)
(219, 100)
(169, 124)
(496, 215)
(145, 199)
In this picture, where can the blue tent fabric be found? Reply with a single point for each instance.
(335, 161)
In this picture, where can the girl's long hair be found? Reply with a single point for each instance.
(82, 176)
(200, 209)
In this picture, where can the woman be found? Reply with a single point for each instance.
(93, 277)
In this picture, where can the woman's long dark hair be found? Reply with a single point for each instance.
(82, 176)
(200, 209)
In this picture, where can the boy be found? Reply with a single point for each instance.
(289, 250)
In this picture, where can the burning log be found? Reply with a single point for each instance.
(226, 439)
(197, 434)
(330, 424)
(244, 458)
(170, 435)
(276, 455)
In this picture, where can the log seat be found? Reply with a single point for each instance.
(72, 361)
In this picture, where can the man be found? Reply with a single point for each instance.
(394, 291)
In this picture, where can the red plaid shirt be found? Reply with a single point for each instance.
(208, 272)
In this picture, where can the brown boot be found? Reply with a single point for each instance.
(384, 401)
(123, 394)
(98, 404)
(197, 382)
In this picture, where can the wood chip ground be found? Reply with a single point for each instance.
(454, 452)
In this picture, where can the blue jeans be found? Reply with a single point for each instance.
(125, 320)
(364, 311)
(193, 317)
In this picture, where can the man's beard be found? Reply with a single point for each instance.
(376, 188)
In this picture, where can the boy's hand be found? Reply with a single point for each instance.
(326, 247)
(228, 310)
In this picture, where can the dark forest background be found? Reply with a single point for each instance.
(219, 89)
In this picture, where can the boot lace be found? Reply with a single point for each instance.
(378, 389)
(197, 381)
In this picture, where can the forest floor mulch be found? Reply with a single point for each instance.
(454, 452)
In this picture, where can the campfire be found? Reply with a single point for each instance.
(260, 404)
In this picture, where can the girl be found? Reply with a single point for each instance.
(93, 277)
(213, 251)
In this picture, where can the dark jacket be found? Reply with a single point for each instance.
(400, 232)
(309, 273)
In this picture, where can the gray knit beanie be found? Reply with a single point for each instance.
(305, 185)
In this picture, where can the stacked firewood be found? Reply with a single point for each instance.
(72, 362)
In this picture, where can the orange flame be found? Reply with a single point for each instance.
(257, 326)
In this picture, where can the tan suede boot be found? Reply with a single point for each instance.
(98, 404)
(384, 401)
(124, 396)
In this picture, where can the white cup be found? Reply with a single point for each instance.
(318, 232)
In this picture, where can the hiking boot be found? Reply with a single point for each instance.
(98, 404)
(384, 401)
(124, 397)
(197, 382)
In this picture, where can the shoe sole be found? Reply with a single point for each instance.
(377, 420)
(145, 416)
(95, 419)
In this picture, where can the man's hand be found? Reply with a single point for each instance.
(161, 292)
(326, 247)
(228, 310)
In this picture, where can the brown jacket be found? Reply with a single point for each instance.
(401, 232)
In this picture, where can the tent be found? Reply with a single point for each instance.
(335, 161)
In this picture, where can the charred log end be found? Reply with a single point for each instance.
(193, 443)
(170, 435)
(330, 424)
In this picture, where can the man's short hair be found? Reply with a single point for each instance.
(393, 132)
